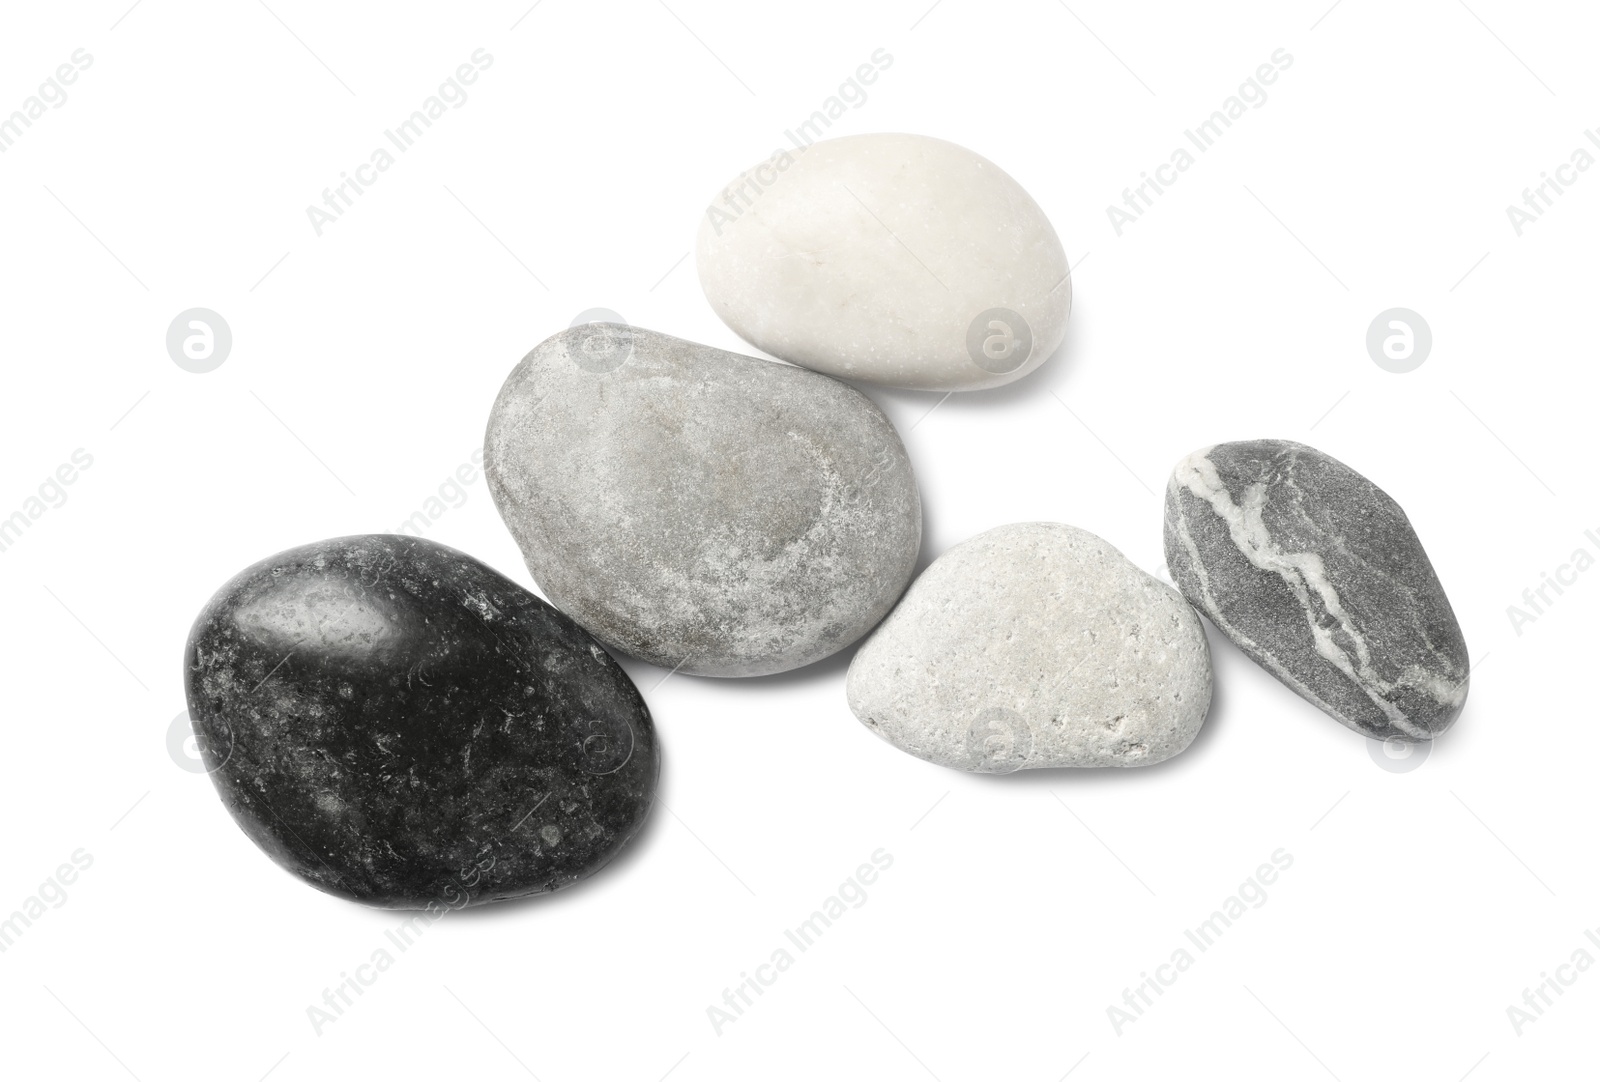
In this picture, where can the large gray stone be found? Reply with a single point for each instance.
(1315, 573)
(707, 512)
(1035, 645)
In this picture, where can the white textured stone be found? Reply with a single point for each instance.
(1035, 645)
(895, 259)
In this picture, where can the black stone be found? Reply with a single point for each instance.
(1316, 573)
(398, 724)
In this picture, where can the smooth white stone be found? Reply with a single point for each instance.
(895, 259)
(1035, 645)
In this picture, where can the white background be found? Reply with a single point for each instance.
(1419, 905)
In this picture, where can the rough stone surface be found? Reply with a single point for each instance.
(896, 259)
(1317, 575)
(398, 724)
(1035, 645)
(708, 512)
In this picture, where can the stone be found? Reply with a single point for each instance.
(1035, 645)
(400, 725)
(710, 513)
(895, 259)
(1315, 573)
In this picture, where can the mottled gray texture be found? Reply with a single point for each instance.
(398, 724)
(705, 511)
(1316, 573)
(1035, 645)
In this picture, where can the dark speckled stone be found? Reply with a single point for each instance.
(1316, 573)
(398, 724)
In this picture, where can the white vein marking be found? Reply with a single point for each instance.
(1306, 575)
(1215, 611)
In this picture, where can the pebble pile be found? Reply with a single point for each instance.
(398, 724)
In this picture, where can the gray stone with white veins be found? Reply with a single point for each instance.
(705, 511)
(1035, 644)
(1317, 575)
